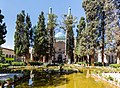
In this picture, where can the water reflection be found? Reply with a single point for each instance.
(88, 73)
(52, 79)
(12, 86)
(31, 78)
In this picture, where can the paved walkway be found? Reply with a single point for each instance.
(5, 76)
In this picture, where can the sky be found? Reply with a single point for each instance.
(10, 9)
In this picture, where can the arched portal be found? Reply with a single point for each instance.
(60, 58)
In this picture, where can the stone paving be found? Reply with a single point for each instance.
(5, 76)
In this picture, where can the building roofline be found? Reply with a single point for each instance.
(7, 49)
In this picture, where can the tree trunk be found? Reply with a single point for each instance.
(118, 57)
(44, 58)
(92, 57)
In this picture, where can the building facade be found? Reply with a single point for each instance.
(8, 53)
(59, 46)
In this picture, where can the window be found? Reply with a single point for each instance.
(6, 55)
(12, 56)
(9, 56)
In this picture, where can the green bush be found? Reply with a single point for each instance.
(18, 64)
(81, 63)
(2, 82)
(9, 79)
(115, 65)
(110, 78)
(54, 64)
(36, 63)
(98, 64)
(4, 65)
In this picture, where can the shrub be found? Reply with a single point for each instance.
(115, 65)
(18, 64)
(110, 78)
(2, 82)
(53, 64)
(98, 64)
(4, 65)
(36, 63)
(81, 63)
(9, 79)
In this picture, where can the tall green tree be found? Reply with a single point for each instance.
(3, 32)
(21, 37)
(40, 38)
(93, 10)
(51, 25)
(26, 37)
(112, 10)
(68, 24)
(81, 45)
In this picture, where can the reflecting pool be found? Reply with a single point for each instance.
(56, 80)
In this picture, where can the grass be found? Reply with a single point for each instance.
(9, 59)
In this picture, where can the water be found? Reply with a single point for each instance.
(53, 80)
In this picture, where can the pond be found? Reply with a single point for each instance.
(55, 80)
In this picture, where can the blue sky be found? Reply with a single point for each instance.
(10, 9)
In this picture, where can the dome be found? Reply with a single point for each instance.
(60, 36)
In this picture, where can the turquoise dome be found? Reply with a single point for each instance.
(60, 36)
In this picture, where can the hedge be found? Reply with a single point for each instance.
(9, 59)
(18, 64)
(36, 63)
(115, 65)
(53, 64)
(4, 65)
(98, 64)
(81, 63)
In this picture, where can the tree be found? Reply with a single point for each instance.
(93, 9)
(3, 32)
(26, 37)
(68, 24)
(51, 24)
(112, 10)
(81, 46)
(21, 37)
(40, 38)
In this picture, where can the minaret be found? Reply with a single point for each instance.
(50, 10)
(69, 11)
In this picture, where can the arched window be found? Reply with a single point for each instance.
(9, 56)
(12, 56)
(6, 55)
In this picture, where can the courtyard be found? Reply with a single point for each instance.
(60, 44)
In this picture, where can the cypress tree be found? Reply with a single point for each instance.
(40, 38)
(81, 46)
(51, 24)
(26, 38)
(112, 11)
(3, 32)
(68, 24)
(21, 37)
(93, 9)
